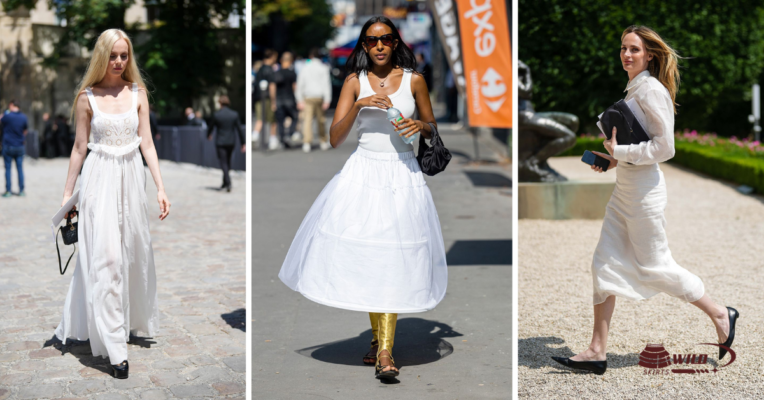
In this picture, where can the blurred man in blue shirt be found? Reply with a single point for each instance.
(14, 128)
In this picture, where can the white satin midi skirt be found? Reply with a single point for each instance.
(372, 240)
(632, 258)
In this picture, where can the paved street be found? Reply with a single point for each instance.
(200, 261)
(714, 232)
(460, 350)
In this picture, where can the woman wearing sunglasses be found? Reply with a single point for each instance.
(371, 241)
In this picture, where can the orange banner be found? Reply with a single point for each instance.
(487, 58)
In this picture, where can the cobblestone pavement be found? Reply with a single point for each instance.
(200, 261)
(713, 231)
(459, 350)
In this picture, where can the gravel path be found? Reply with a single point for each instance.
(199, 251)
(713, 231)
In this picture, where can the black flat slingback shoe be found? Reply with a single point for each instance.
(120, 371)
(733, 314)
(598, 367)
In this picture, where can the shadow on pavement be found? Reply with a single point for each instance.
(417, 341)
(236, 319)
(81, 350)
(489, 179)
(536, 353)
(480, 252)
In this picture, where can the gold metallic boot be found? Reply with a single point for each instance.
(386, 337)
(371, 357)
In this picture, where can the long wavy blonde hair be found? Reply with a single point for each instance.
(665, 63)
(99, 62)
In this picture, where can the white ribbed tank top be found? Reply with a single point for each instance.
(375, 132)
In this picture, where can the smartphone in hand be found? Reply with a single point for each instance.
(593, 159)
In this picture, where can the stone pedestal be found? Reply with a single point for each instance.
(583, 196)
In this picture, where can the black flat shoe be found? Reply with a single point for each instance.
(120, 371)
(733, 314)
(598, 367)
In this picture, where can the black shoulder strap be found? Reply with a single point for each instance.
(59, 255)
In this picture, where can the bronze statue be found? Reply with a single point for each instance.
(542, 134)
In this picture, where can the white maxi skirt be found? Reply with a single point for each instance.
(113, 289)
(632, 258)
(371, 241)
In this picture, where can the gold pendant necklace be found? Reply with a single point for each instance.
(382, 81)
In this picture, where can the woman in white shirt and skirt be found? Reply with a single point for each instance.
(632, 258)
(371, 241)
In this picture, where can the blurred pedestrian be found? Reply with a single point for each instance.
(63, 136)
(263, 112)
(200, 120)
(153, 123)
(14, 125)
(191, 119)
(228, 125)
(424, 67)
(452, 98)
(283, 102)
(314, 94)
(48, 137)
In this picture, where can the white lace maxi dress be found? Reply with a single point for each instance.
(113, 290)
(372, 240)
(632, 258)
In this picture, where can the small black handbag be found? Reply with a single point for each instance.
(432, 160)
(628, 128)
(69, 234)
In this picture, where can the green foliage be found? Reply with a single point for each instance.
(572, 48)
(289, 9)
(85, 20)
(182, 56)
(298, 24)
(721, 164)
(10, 5)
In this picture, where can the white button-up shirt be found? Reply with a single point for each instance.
(656, 103)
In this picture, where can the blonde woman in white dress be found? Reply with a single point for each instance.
(371, 241)
(113, 290)
(632, 259)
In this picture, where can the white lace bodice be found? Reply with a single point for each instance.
(114, 133)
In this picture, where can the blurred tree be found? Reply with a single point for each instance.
(294, 25)
(573, 47)
(10, 5)
(182, 56)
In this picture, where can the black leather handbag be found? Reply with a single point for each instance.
(432, 160)
(69, 234)
(628, 128)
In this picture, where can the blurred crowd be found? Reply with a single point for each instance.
(291, 93)
(288, 92)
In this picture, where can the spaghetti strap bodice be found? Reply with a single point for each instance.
(375, 132)
(116, 134)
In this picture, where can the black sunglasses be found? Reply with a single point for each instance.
(371, 41)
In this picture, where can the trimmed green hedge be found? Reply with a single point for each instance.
(708, 160)
(712, 161)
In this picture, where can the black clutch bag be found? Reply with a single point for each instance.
(69, 234)
(628, 128)
(432, 160)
